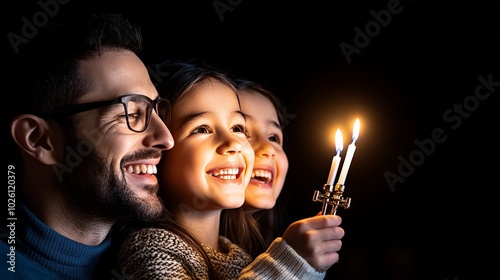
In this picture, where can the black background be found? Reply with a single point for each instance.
(434, 220)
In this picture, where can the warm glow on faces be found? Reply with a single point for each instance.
(211, 163)
(266, 138)
(127, 185)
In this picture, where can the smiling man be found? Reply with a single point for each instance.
(90, 130)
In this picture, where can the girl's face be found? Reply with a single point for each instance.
(211, 162)
(266, 137)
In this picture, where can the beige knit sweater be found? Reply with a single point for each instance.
(153, 253)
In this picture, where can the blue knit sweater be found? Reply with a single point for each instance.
(41, 253)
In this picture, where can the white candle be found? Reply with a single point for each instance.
(350, 153)
(336, 158)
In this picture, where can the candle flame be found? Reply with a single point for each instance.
(338, 141)
(355, 132)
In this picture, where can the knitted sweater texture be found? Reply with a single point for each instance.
(153, 253)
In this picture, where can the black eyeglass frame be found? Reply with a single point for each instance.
(83, 107)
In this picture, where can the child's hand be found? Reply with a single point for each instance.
(316, 239)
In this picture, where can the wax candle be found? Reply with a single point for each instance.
(336, 158)
(350, 153)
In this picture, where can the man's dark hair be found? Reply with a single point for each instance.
(45, 73)
(48, 66)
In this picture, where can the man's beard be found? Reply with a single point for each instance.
(93, 189)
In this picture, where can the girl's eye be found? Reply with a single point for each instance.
(240, 129)
(274, 138)
(201, 129)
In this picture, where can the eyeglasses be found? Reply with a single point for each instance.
(138, 110)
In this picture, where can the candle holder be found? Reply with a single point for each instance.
(332, 196)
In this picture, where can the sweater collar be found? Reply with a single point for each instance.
(58, 253)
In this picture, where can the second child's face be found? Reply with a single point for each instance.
(266, 137)
(210, 165)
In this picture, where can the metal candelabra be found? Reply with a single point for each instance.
(332, 196)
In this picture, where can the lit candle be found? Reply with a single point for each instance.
(350, 153)
(336, 158)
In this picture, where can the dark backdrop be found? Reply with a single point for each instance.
(421, 181)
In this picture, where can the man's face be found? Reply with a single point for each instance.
(116, 176)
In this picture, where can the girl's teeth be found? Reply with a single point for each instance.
(262, 173)
(228, 174)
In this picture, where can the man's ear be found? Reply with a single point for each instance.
(32, 135)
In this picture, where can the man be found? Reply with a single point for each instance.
(90, 129)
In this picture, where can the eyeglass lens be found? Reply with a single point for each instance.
(139, 110)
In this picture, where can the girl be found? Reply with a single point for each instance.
(207, 171)
(314, 241)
